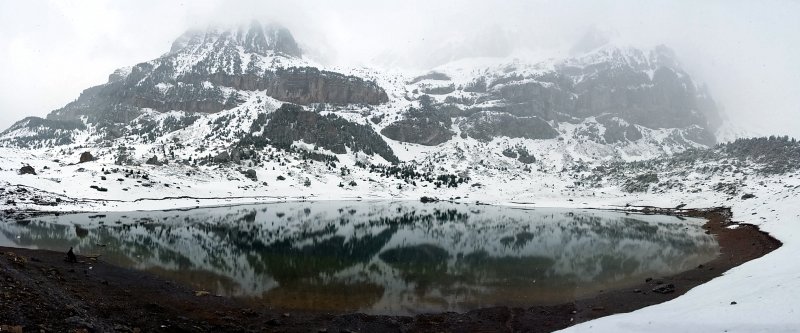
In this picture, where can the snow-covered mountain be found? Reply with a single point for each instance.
(246, 99)
(239, 115)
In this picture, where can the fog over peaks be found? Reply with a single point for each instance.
(746, 52)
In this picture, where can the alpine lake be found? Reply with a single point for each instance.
(382, 257)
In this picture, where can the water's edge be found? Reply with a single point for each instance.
(738, 245)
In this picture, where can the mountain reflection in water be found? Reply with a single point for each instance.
(383, 257)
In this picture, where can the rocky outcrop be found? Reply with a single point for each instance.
(667, 100)
(439, 90)
(222, 157)
(27, 170)
(418, 130)
(427, 125)
(618, 130)
(434, 76)
(153, 161)
(291, 123)
(487, 125)
(305, 85)
(250, 174)
(521, 154)
(540, 99)
(611, 95)
(626, 87)
(205, 69)
(121, 102)
(700, 135)
(86, 157)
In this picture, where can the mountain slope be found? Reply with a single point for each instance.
(223, 98)
(207, 72)
(625, 89)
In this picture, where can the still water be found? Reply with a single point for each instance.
(383, 257)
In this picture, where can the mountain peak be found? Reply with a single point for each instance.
(255, 38)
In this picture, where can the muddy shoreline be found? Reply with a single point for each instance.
(39, 291)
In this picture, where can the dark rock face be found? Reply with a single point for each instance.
(250, 174)
(291, 123)
(527, 159)
(27, 170)
(120, 102)
(510, 153)
(427, 125)
(306, 85)
(420, 131)
(216, 64)
(666, 101)
(621, 87)
(520, 154)
(444, 90)
(617, 130)
(436, 76)
(700, 135)
(477, 86)
(222, 157)
(487, 125)
(625, 90)
(86, 157)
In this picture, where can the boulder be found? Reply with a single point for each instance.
(222, 157)
(510, 153)
(250, 173)
(27, 170)
(236, 156)
(664, 288)
(153, 161)
(86, 157)
(526, 159)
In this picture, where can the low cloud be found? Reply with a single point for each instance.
(745, 51)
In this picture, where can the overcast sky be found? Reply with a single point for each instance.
(748, 52)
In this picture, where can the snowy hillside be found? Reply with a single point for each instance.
(238, 115)
(207, 107)
(239, 112)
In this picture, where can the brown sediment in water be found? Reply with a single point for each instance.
(41, 291)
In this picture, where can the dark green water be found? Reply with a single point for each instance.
(383, 257)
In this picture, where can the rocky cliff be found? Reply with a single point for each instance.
(620, 89)
(249, 88)
(206, 71)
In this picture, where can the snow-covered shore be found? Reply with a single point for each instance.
(764, 290)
